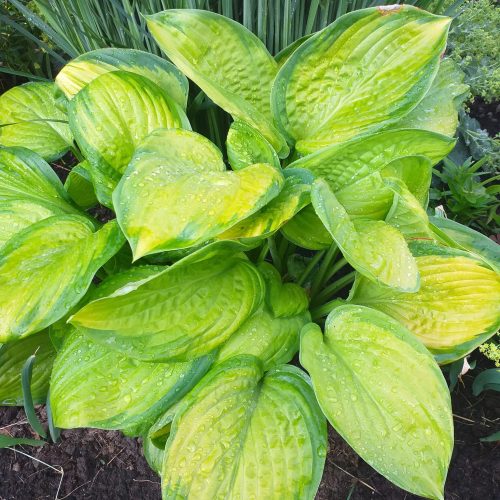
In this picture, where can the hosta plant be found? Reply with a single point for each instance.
(241, 298)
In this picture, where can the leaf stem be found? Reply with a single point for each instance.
(307, 271)
(335, 287)
(275, 254)
(319, 279)
(325, 309)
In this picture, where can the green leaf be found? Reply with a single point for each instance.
(180, 313)
(79, 186)
(29, 406)
(306, 230)
(228, 62)
(46, 269)
(415, 172)
(491, 438)
(94, 386)
(438, 110)
(12, 358)
(294, 196)
(30, 191)
(272, 333)
(487, 380)
(465, 238)
(247, 146)
(31, 119)
(406, 213)
(456, 308)
(373, 248)
(343, 164)
(109, 118)
(366, 70)
(190, 197)
(385, 395)
(7, 441)
(85, 68)
(240, 432)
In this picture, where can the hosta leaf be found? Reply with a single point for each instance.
(294, 196)
(85, 68)
(109, 118)
(190, 198)
(375, 249)
(406, 213)
(384, 393)
(30, 119)
(415, 172)
(364, 71)
(240, 432)
(343, 164)
(438, 110)
(246, 146)
(13, 355)
(29, 191)
(227, 61)
(456, 308)
(46, 269)
(94, 386)
(458, 235)
(307, 231)
(79, 186)
(182, 312)
(272, 333)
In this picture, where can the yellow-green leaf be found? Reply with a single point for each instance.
(241, 431)
(30, 118)
(384, 393)
(227, 61)
(364, 71)
(86, 67)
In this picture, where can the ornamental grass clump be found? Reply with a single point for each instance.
(178, 319)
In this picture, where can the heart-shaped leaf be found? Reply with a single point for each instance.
(31, 119)
(111, 115)
(456, 308)
(180, 313)
(46, 269)
(13, 355)
(375, 249)
(364, 71)
(240, 431)
(227, 61)
(384, 393)
(86, 67)
(176, 193)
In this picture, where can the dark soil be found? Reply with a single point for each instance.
(102, 465)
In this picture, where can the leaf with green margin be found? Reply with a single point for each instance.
(94, 386)
(110, 117)
(465, 238)
(246, 146)
(182, 312)
(272, 333)
(79, 186)
(373, 248)
(385, 395)
(343, 164)
(456, 308)
(438, 110)
(294, 196)
(241, 431)
(325, 92)
(86, 67)
(176, 194)
(415, 172)
(31, 119)
(406, 213)
(12, 358)
(364, 71)
(227, 61)
(46, 269)
(283, 55)
(306, 230)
